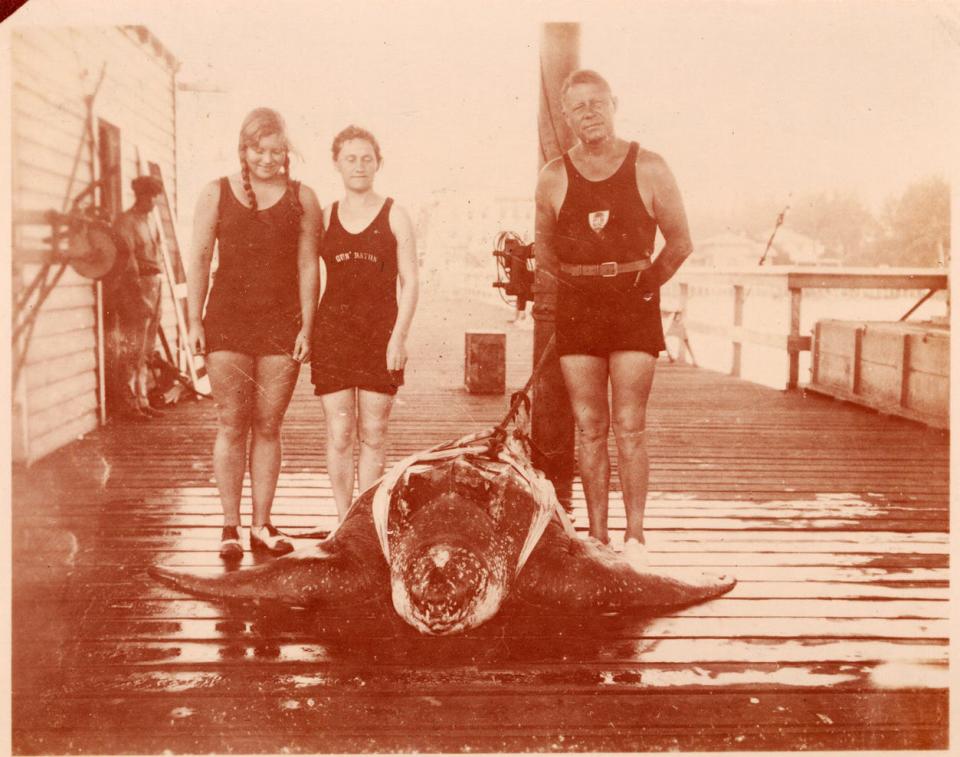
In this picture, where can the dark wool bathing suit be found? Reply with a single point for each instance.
(358, 309)
(254, 304)
(599, 222)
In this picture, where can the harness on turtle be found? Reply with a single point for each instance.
(501, 444)
(521, 400)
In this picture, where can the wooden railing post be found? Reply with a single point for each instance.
(905, 371)
(857, 359)
(793, 381)
(684, 297)
(737, 325)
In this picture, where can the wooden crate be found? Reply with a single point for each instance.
(897, 368)
(485, 362)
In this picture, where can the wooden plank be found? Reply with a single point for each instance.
(250, 740)
(274, 681)
(62, 392)
(814, 580)
(694, 627)
(744, 650)
(70, 429)
(631, 721)
(869, 278)
(207, 538)
(75, 407)
(45, 347)
(928, 396)
(59, 368)
(930, 353)
(64, 322)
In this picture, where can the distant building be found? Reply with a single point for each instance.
(54, 71)
(457, 232)
(799, 249)
(737, 250)
(726, 250)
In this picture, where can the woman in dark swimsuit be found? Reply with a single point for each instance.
(359, 339)
(256, 329)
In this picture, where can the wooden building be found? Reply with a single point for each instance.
(64, 137)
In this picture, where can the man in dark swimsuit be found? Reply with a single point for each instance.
(138, 305)
(598, 209)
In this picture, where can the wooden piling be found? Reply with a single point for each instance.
(552, 418)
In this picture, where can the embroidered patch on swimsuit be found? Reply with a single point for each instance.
(598, 219)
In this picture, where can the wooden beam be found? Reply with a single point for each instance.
(552, 417)
(737, 324)
(857, 372)
(893, 279)
(817, 341)
(784, 278)
(905, 370)
(795, 343)
(796, 296)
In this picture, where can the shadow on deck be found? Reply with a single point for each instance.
(833, 518)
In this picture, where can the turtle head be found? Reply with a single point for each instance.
(447, 573)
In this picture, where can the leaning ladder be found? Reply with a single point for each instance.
(177, 281)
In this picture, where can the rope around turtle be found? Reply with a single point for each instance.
(523, 396)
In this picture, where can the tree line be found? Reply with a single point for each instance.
(912, 229)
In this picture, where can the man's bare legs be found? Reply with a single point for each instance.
(631, 377)
(586, 378)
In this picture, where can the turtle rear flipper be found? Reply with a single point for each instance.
(570, 574)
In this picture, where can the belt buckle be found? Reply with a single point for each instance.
(610, 266)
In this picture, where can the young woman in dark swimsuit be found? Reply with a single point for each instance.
(360, 332)
(256, 330)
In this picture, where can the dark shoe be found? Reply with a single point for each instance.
(230, 546)
(270, 540)
(130, 413)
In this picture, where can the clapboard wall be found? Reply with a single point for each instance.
(53, 70)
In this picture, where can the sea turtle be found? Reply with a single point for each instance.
(449, 533)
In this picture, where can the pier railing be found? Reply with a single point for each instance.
(789, 282)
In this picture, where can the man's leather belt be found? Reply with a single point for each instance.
(611, 268)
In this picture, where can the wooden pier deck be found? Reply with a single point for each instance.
(833, 518)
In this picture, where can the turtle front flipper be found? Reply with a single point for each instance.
(346, 569)
(570, 574)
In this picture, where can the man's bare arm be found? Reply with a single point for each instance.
(672, 220)
(548, 188)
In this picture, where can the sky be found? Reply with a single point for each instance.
(745, 100)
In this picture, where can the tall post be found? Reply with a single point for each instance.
(738, 299)
(796, 295)
(552, 421)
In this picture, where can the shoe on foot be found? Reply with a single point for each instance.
(268, 538)
(635, 554)
(230, 546)
(593, 541)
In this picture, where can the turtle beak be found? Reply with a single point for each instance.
(447, 589)
(447, 571)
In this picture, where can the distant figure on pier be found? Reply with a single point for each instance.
(360, 332)
(135, 298)
(256, 329)
(598, 209)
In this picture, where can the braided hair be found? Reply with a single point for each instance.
(290, 183)
(260, 123)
